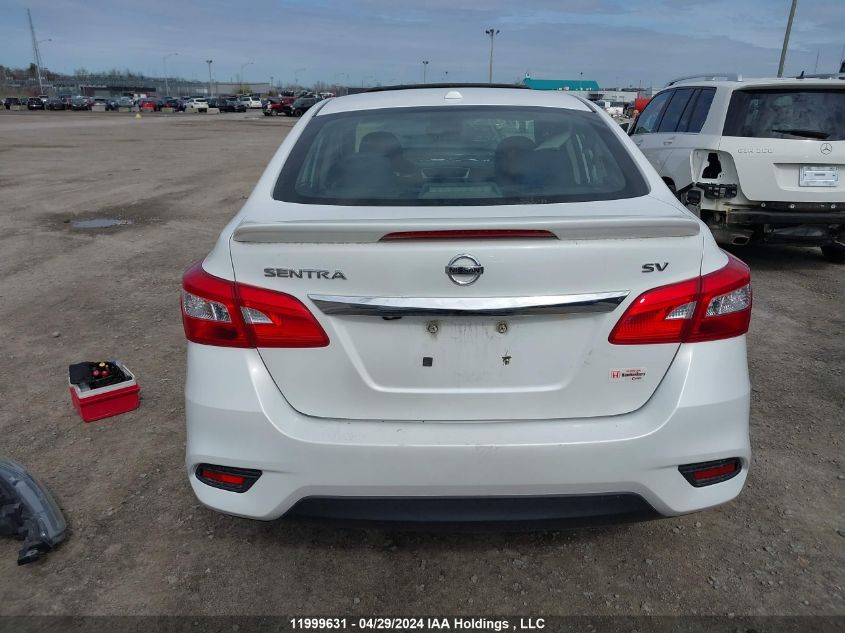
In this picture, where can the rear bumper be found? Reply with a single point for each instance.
(236, 416)
(544, 511)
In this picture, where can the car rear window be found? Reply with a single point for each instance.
(793, 113)
(461, 155)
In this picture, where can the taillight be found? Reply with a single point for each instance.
(708, 308)
(227, 314)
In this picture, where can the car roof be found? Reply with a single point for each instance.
(437, 96)
(759, 82)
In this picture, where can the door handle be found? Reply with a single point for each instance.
(669, 140)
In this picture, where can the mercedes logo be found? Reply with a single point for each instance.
(826, 148)
(464, 270)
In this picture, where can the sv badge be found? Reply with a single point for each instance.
(658, 267)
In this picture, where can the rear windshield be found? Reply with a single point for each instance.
(787, 113)
(460, 155)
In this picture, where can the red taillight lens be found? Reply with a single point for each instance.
(223, 478)
(223, 313)
(708, 308)
(706, 473)
(279, 320)
(227, 478)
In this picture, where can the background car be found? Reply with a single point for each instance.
(8, 102)
(276, 106)
(80, 102)
(149, 103)
(55, 103)
(301, 105)
(759, 160)
(250, 101)
(197, 104)
(227, 104)
(34, 103)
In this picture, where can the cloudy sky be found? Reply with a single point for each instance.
(385, 41)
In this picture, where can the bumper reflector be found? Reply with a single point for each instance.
(227, 478)
(706, 473)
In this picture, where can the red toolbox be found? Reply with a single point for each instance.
(96, 404)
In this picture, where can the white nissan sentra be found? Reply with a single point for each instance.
(465, 303)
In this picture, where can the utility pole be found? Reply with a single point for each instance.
(35, 52)
(209, 62)
(786, 38)
(425, 70)
(492, 33)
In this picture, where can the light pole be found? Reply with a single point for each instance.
(296, 76)
(209, 62)
(425, 70)
(492, 33)
(164, 65)
(241, 74)
(786, 37)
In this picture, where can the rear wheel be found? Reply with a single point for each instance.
(834, 252)
(297, 112)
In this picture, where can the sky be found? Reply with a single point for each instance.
(355, 42)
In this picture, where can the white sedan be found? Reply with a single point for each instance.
(465, 304)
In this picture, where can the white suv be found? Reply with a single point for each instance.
(250, 101)
(466, 303)
(760, 160)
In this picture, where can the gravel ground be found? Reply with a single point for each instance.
(140, 543)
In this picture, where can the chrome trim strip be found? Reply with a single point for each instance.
(468, 306)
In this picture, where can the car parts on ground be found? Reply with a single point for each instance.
(28, 512)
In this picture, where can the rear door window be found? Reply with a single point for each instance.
(675, 109)
(696, 113)
(650, 117)
(787, 113)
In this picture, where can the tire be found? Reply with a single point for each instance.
(834, 252)
(298, 112)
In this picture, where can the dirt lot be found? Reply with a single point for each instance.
(140, 543)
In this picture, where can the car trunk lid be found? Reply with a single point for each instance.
(527, 339)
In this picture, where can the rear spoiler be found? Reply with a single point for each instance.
(594, 227)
